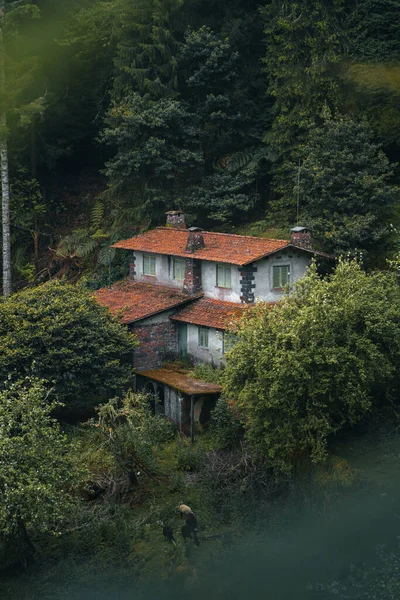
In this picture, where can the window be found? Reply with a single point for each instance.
(223, 276)
(281, 277)
(179, 269)
(203, 337)
(149, 265)
(228, 341)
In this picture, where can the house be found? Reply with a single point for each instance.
(185, 288)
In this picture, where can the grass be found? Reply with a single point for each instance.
(262, 229)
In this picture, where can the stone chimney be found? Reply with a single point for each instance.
(192, 283)
(176, 219)
(195, 240)
(301, 236)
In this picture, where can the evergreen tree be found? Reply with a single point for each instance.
(345, 188)
(304, 46)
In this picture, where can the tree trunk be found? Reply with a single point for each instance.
(5, 186)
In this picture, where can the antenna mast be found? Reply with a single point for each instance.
(298, 192)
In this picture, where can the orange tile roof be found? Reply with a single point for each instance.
(131, 301)
(219, 247)
(210, 313)
(181, 381)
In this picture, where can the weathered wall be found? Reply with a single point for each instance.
(212, 354)
(298, 263)
(164, 271)
(158, 341)
(210, 289)
(173, 400)
(253, 282)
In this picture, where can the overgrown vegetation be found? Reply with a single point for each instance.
(250, 117)
(59, 333)
(317, 362)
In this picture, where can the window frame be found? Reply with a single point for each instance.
(281, 287)
(206, 332)
(152, 259)
(183, 263)
(225, 268)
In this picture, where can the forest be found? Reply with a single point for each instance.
(251, 117)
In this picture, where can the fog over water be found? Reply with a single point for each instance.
(316, 550)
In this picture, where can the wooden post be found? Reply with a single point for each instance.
(192, 419)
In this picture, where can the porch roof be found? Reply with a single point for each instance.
(182, 382)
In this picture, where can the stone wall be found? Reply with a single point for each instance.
(247, 283)
(132, 267)
(158, 342)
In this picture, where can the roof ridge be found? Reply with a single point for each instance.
(238, 235)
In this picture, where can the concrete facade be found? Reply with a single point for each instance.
(251, 283)
(213, 354)
(175, 405)
(209, 279)
(298, 263)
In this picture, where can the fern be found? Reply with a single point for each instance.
(96, 215)
(248, 159)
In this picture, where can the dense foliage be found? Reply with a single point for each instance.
(127, 110)
(59, 333)
(345, 190)
(317, 362)
(36, 471)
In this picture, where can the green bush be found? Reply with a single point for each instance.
(225, 426)
(207, 372)
(59, 333)
(189, 458)
(318, 362)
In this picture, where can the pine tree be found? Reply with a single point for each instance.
(304, 46)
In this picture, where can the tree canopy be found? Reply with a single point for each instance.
(59, 333)
(129, 110)
(36, 471)
(317, 362)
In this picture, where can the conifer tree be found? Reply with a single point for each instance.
(304, 44)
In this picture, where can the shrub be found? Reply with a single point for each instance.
(59, 333)
(317, 362)
(226, 427)
(189, 458)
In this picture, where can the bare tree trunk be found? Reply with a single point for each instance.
(5, 185)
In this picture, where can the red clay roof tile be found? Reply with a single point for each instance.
(208, 312)
(219, 247)
(131, 301)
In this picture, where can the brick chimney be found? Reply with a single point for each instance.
(192, 283)
(195, 240)
(176, 219)
(301, 236)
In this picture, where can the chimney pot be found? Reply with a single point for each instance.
(176, 219)
(301, 237)
(195, 240)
